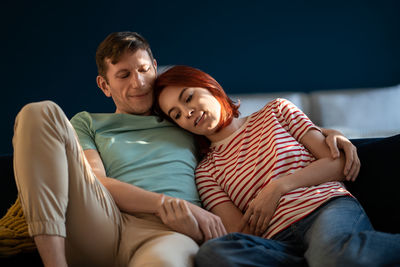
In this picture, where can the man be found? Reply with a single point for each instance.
(124, 194)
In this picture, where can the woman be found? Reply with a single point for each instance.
(270, 174)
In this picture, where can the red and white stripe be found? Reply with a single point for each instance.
(266, 148)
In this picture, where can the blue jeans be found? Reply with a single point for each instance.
(338, 233)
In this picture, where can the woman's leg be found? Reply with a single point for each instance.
(238, 249)
(341, 234)
(60, 196)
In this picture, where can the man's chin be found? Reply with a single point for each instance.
(142, 111)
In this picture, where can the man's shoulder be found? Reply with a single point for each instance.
(81, 115)
(89, 117)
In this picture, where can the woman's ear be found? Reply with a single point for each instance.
(103, 85)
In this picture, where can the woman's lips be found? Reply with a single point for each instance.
(199, 119)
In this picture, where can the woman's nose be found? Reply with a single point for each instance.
(190, 113)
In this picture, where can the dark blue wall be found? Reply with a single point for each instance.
(47, 48)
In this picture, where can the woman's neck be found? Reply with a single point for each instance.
(225, 132)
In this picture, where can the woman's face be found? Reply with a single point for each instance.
(192, 108)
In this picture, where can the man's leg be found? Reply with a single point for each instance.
(52, 250)
(238, 249)
(146, 241)
(340, 234)
(59, 194)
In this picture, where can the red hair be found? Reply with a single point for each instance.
(186, 76)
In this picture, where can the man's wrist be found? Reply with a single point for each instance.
(199, 237)
(160, 202)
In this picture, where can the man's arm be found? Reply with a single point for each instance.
(129, 198)
(335, 141)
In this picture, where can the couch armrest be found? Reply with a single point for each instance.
(376, 188)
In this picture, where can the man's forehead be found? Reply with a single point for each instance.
(138, 57)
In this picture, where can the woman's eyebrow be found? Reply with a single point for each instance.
(179, 98)
(169, 112)
(181, 94)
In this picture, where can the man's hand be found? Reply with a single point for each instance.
(261, 209)
(176, 214)
(209, 223)
(336, 140)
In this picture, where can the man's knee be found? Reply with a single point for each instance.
(33, 115)
(173, 250)
(37, 110)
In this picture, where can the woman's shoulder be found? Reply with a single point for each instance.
(270, 106)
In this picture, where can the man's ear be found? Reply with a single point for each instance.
(103, 85)
(155, 65)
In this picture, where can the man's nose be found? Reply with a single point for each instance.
(137, 80)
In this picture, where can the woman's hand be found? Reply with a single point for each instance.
(210, 224)
(262, 208)
(176, 214)
(335, 141)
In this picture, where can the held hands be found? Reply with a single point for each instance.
(210, 224)
(176, 214)
(189, 219)
(259, 213)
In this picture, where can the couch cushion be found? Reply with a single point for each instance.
(358, 112)
(250, 103)
(14, 237)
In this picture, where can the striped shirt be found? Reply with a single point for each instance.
(267, 146)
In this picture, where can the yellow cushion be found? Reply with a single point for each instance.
(14, 237)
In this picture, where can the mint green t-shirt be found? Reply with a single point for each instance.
(143, 151)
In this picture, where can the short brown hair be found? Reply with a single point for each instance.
(115, 45)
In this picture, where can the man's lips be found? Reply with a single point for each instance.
(199, 119)
(139, 95)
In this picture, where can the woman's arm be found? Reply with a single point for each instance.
(335, 141)
(322, 170)
(231, 217)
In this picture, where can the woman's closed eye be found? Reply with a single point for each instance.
(190, 96)
(176, 116)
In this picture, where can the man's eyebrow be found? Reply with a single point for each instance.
(179, 98)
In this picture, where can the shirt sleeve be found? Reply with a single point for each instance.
(211, 193)
(292, 118)
(82, 124)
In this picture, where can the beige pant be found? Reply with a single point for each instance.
(61, 196)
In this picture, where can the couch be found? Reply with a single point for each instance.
(365, 115)
(358, 113)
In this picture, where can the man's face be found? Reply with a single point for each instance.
(130, 82)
